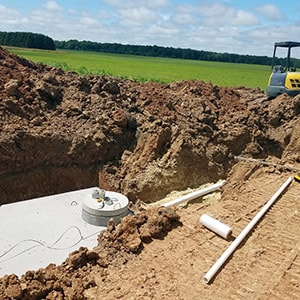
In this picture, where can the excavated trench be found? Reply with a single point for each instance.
(61, 132)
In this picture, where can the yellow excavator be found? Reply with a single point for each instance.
(284, 79)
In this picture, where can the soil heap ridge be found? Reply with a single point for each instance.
(61, 132)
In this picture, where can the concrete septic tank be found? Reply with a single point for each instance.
(40, 231)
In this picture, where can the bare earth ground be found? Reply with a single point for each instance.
(266, 266)
(63, 132)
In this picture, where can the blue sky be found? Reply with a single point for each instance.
(244, 27)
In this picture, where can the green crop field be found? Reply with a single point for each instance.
(142, 68)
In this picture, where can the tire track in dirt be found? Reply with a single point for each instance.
(269, 248)
(287, 246)
(286, 278)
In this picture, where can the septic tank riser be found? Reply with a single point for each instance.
(100, 206)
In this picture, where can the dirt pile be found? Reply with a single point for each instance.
(60, 130)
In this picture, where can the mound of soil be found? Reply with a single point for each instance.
(61, 132)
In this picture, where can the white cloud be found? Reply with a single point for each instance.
(4, 10)
(243, 18)
(183, 18)
(162, 31)
(218, 39)
(128, 4)
(138, 15)
(273, 34)
(218, 13)
(270, 12)
(9, 16)
(88, 21)
(52, 6)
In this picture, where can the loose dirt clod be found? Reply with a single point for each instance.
(61, 132)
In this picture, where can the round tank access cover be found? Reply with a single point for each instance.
(99, 206)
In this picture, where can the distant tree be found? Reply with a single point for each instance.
(27, 40)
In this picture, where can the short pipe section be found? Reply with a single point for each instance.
(216, 226)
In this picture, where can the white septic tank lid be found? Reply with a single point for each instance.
(99, 206)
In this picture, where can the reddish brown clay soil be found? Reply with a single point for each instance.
(61, 132)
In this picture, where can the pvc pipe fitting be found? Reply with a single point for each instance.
(216, 226)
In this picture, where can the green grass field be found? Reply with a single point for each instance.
(141, 68)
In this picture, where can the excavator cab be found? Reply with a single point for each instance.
(284, 77)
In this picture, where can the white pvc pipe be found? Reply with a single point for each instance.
(219, 263)
(216, 226)
(195, 194)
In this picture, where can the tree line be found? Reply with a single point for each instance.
(40, 41)
(158, 51)
(27, 40)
